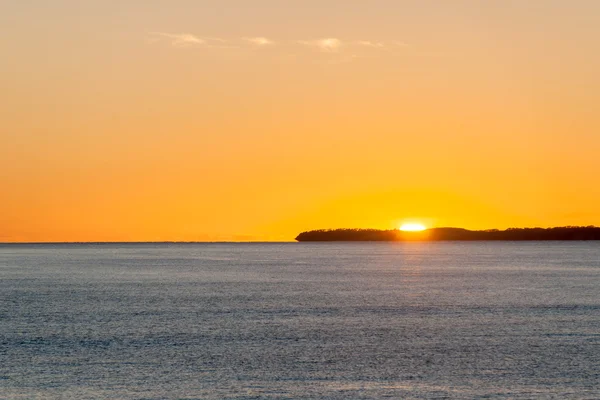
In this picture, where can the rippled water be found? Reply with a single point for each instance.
(413, 320)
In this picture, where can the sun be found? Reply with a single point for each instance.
(412, 227)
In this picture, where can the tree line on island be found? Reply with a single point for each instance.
(451, 234)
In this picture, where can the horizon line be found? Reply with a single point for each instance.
(274, 241)
(150, 242)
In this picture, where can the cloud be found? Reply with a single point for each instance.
(214, 39)
(328, 44)
(189, 40)
(367, 43)
(181, 39)
(259, 41)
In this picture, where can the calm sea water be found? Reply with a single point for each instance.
(417, 320)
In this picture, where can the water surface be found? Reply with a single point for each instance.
(347, 320)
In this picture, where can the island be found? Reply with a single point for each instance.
(451, 234)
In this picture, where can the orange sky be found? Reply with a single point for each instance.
(237, 120)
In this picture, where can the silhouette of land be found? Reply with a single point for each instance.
(451, 234)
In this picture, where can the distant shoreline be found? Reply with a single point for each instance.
(566, 233)
(133, 243)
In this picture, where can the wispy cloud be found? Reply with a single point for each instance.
(259, 41)
(215, 39)
(328, 44)
(181, 39)
(367, 43)
(190, 40)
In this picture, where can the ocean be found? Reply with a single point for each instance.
(496, 320)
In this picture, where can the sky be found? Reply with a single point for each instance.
(238, 120)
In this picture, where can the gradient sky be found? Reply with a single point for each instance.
(137, 120)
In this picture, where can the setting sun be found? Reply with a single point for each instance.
(412, 227)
